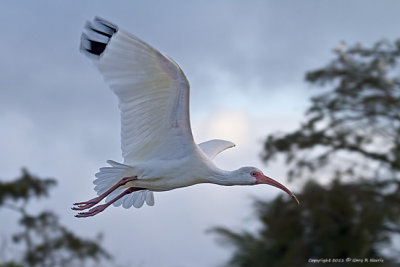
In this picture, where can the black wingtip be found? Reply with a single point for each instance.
(96, 37)
(111, 26)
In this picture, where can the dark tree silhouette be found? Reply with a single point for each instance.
(45, 241)
(351, 136)
(353, 126)
(341, 221)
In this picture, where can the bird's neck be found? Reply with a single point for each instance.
(222, 177)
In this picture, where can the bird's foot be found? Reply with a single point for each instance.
(90, 203)
(92, 211)
(86, 204)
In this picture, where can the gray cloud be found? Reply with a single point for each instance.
(58, 118)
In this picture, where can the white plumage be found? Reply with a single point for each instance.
(156, 139)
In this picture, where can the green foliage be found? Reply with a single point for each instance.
(354, 122)
(25, 187)
(341, 221)
(10, 264)
(51, 244)
(351, 136)
(46, 242)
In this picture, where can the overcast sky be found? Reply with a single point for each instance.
(245, 61)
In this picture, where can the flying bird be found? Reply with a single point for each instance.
(156, 139)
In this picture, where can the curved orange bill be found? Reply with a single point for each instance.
(262, 179)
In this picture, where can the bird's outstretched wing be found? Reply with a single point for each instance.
(153, 92)
(214, 147)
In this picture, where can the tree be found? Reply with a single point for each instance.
(351, 136)
(45, 241)
(353, 126)
(341, 221)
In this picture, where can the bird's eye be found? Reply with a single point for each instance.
(253, 174)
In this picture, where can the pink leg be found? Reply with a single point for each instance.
(102, 207)
(90, 203)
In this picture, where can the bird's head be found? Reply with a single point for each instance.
(253, 176)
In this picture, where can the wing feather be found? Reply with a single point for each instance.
(214, 147)
(152, 90)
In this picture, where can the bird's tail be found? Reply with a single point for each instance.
(109, 176)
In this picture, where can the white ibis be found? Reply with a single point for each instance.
(156, 139)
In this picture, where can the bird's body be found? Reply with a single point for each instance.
(171, 174)
(156, 139)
